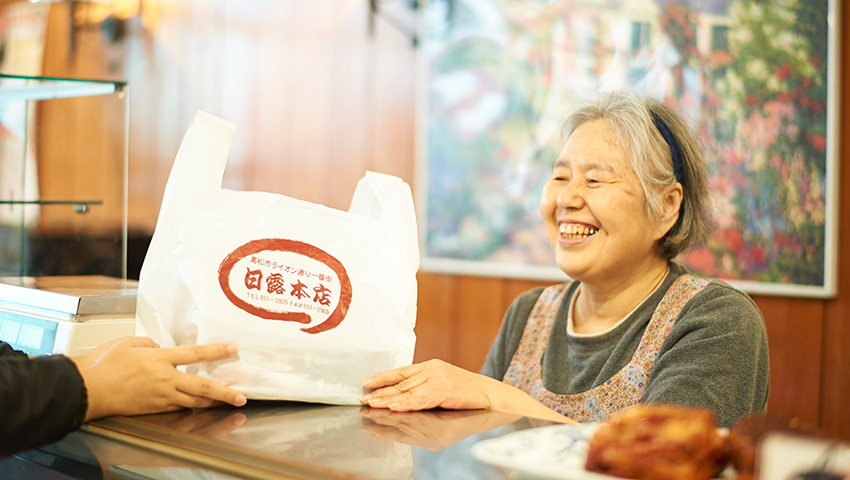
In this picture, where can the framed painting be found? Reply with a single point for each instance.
(757, 80)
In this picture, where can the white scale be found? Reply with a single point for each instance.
(67, 315)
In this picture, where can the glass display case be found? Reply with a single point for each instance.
(63, 176)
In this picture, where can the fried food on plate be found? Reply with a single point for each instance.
(658, 442)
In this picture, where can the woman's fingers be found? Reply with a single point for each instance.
(393, 377)
(398, 389)
(402, 380)
(428, 385)
(407, 401)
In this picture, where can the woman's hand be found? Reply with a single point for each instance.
(427, 385)
(435, 383)
(133, 376)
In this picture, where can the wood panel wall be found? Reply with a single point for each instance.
(319, 98)
(80, 141)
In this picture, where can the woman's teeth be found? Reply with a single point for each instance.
(573, 231)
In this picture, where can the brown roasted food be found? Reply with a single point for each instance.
(658, 442)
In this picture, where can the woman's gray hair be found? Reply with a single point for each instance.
(631, 117)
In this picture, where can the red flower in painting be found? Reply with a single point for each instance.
(754, 256)
(713, 99)
(733, 239)
(812, 105)
(787, 243)
(785, 96)
(752, 101)
(783, 71)
(732, 158)
(818, 141)
(807, 102)
(807, 82)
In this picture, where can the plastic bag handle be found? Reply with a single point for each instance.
(388, 199)
(208, 137)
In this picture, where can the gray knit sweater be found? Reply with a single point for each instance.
(715, 356)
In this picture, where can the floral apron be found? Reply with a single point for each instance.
(626, 387)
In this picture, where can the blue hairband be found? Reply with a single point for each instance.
(673, 143)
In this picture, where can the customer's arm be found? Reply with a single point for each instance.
(42, 399)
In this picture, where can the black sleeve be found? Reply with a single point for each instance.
(6, 351)
(41, 399)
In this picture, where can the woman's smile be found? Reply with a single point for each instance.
(576, 231)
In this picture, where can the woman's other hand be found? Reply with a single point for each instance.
(430, 384)
(133, 376)
(435, 383)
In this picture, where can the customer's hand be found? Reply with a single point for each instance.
(133, 376)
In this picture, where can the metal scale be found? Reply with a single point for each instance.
(65, 315)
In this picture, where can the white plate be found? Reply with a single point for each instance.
(557, 451)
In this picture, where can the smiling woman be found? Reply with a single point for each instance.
(626, 195)
(594, 187)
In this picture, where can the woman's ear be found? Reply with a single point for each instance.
(670, 206)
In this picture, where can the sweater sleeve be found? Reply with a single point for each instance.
(42, 400)
(715, 356)
(510, 333)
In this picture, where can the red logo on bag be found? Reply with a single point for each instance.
(280, 279)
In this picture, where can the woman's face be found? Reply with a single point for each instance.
(595, 209)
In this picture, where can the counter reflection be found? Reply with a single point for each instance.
(350, 441)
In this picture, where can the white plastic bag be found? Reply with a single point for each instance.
(317, 299)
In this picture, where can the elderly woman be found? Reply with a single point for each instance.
(626, 195)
